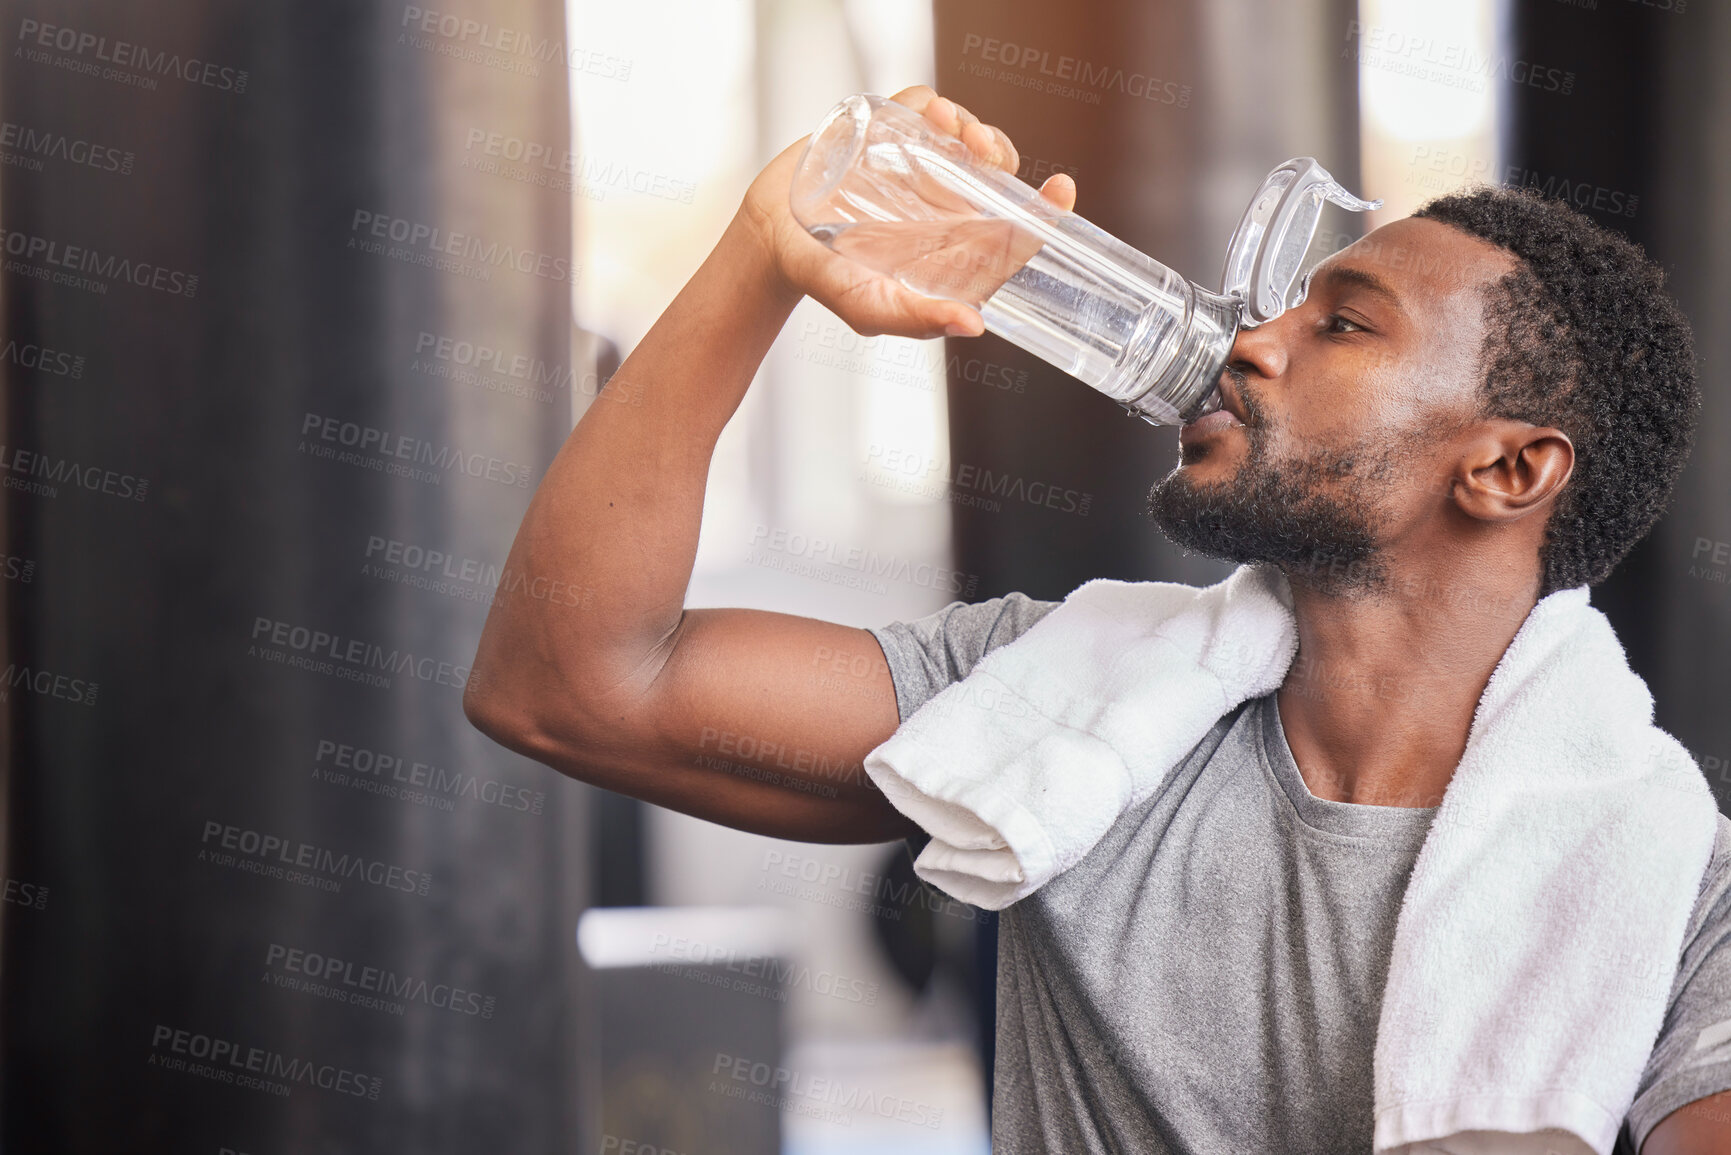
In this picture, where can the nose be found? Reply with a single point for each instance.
(1262, 350)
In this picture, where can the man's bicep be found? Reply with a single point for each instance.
(1690, 1064)
(785, 709)
(762, 721)
(1699, 1128)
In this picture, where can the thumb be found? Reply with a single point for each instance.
(1060, 190)
(957, 320)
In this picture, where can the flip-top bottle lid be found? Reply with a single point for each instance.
(1266, 257)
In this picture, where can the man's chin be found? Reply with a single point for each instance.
(1315, 540)
(1198, 515)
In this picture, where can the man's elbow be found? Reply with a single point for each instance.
(508, 717)
(538, 713)
(487, 713)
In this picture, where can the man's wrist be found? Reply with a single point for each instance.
(747, 251)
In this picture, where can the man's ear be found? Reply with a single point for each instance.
(1509, 469)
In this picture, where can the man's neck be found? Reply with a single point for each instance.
(1380, 699)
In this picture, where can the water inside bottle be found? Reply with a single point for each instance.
(1065, 305)
(879, 186)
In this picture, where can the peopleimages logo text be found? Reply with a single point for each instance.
(40, 358)
(515, 42)
(463, 246)
(403, 447)
(47, 684)
(356, 653)
(304, 855)
(380, 981)
(48, 145)
(767, 544)
(125, 54)
(1071, 76)
(231, 1062)
(105, 267)
(1448, 64)
(377, 765)
(45, 472)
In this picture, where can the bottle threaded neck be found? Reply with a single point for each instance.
(1186, 383)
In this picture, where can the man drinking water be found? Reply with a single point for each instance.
(1475, 408)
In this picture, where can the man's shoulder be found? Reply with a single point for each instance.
(1692, 1059)
(1716, 879)
(970, 630)
(1707, 936)
(927, 654)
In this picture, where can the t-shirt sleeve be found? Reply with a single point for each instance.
(1692, 1058)
(927, 654)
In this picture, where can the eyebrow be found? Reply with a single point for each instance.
(1343, 275)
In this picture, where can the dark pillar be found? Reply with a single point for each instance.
(258, 245)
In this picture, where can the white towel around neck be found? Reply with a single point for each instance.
(1539, 934)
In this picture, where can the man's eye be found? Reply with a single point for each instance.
(1339, 324)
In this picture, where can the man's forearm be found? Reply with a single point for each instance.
(618, 513)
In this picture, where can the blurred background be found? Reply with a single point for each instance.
(300, 300)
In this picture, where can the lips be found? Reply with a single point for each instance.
(1229, 402)
(1228, 416)
(1207, 425)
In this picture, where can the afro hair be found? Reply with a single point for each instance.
(1583, 337)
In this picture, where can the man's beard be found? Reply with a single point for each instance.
(1308, 515)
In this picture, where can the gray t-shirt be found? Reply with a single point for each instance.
(1209, 977)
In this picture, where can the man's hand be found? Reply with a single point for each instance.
(872, 304)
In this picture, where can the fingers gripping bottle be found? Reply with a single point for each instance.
(880, 185)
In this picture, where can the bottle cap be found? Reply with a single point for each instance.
(1266, 257)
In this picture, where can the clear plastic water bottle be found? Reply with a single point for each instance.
(880, 185)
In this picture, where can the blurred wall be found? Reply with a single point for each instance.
(1168, 114)
(282, 898)
(1638, 142)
